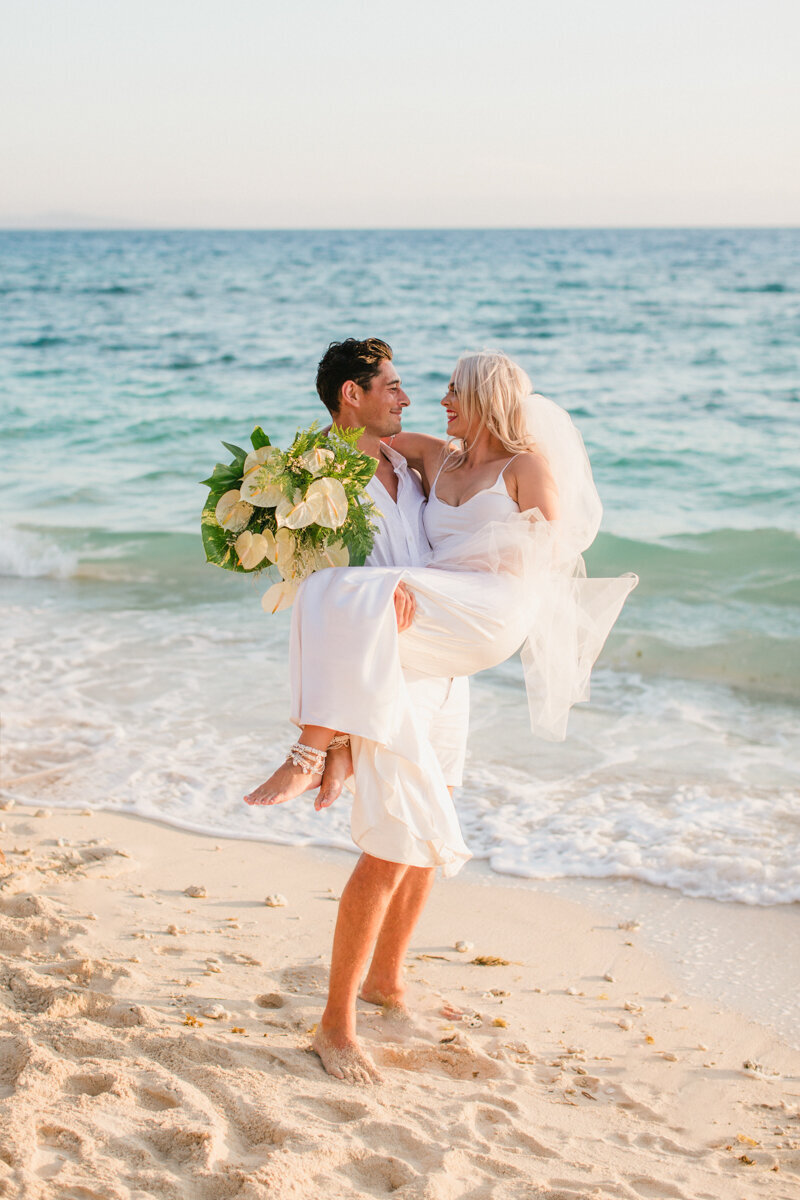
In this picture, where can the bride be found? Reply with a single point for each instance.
(511, 507)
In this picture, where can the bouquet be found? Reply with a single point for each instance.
(290, 511)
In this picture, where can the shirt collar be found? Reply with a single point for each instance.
(399, 464)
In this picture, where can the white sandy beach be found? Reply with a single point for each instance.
(583, 1068)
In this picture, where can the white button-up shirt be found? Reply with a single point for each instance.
(400, 540)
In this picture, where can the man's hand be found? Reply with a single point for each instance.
(405, 607)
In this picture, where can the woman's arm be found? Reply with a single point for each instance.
(421, 451)
(530, 478)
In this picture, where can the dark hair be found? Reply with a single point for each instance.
(350, 359)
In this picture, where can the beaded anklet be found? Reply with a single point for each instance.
(310, 760)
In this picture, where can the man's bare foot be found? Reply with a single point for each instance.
(338, 767)
(402, 1022)
(343, 1058)
(393, 1007)
(284, 784)
(393, 1000)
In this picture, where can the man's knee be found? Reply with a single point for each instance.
(381, 870)
(418, 877)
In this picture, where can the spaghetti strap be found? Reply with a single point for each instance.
(441, 467)
(508, 464)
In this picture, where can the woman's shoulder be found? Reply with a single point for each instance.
(531, 484)
(529, 463)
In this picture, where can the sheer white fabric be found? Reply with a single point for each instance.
(499, 580)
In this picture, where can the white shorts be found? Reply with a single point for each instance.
(444, 705)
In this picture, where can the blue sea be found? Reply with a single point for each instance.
(137, 678)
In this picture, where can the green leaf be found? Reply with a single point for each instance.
(216, 540)
(259, 438)
(238, 453)
(223, 478)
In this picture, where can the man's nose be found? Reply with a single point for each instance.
(404, 400)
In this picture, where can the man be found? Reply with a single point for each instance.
(382, 901)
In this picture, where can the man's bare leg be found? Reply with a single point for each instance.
(385, 983)
(362, 909)
(290, 780)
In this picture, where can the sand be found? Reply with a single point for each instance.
(154, 1042)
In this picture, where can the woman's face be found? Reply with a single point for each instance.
(456, 422)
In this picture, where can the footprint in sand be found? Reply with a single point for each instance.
(90, 1085)
(459, 1062)
(311, 980)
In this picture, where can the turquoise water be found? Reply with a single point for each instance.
(154, 683)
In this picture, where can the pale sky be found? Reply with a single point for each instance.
(339, 113)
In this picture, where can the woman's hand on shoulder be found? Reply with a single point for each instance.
(535, 487)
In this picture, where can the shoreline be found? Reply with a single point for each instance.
(155, 1043)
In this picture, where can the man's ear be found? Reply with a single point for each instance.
(349, 395)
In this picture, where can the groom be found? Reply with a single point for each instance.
(382, 901)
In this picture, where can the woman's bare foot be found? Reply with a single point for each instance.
(343, 1058)
(284, 784)
(338, 767)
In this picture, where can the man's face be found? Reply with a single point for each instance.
(380, 407)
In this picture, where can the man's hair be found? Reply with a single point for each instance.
(350, 359)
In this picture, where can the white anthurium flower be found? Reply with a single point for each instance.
(299, 512)
(262, 469)
(316, 460)
(334, 555)
(232, 512)
(280, 596)
(253, 548)
(332, 500)
(285, 547)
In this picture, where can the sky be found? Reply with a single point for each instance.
(418, 113)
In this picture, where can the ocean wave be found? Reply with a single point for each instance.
(112, 289)
(733, 563)
(768, 288)
(174, 713)
(45, 342)
(751, 661)
(34, 556)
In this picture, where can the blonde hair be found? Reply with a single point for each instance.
(491, 389)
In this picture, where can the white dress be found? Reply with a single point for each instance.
(495, 576)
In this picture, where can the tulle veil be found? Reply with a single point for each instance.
(570, 615)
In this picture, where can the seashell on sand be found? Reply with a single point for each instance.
(215, 1012)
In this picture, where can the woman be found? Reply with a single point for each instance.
(508, 516)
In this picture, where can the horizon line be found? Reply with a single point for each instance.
(122, 228)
